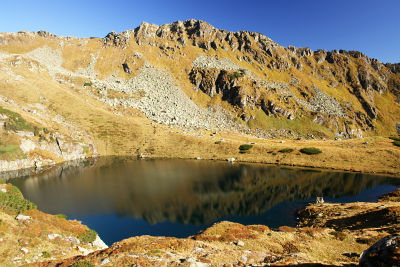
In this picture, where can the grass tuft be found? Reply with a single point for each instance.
(396, 143)
(286, 150)
(395, 138)
(14, 201)
(88, 236)
(310, 150)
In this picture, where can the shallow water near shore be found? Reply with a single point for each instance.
(121, 197)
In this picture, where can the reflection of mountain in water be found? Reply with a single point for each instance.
(196, 192)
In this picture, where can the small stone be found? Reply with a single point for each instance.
(231, 160)
(105, 261)
(239, 243)
(198, 158)
(53, 236)
(24, 250)
(21, 217)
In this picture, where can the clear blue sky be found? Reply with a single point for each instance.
(370, 26)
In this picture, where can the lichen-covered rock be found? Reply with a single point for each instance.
(385, 252)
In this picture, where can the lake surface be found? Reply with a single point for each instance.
(120, 198)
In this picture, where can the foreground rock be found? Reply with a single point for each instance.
(385, 252)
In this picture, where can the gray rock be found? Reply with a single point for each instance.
(385, 252)
(398, 128)
(21, 217)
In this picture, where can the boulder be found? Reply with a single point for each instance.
(385, 252)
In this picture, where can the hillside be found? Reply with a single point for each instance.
(177, 89)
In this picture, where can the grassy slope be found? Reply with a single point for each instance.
(132, 133)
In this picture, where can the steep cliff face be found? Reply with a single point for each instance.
(190, 75)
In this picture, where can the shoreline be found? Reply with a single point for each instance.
(17, 173)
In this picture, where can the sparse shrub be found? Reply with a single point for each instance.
(88, 236)
(338, 235)
(236, 75)
(14, 201)
(271, 151)
(310, 150)
(61, 216)
(83, 264)
(45, 254)
(88, 84)
(245, 147)
(394, 138)
(286, 150)
(396, 143)
(217, 142)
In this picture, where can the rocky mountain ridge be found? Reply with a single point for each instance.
(189, 77)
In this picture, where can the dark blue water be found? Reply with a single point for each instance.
(120, 198)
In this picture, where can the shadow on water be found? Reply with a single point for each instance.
(181, 197)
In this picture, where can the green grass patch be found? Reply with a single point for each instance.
(396, 143)
(88, 84)
(88, 236)
(83, 264)
(10, 148)
(245, 147)
(394, 138)
(14, 201)
(11, 152)
(310, 150)
(15, 121)
(286, 150)
(302, 126)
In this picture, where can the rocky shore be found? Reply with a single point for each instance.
(328, 234)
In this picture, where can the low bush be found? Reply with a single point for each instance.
(14, 201)
(88, 84)
(61, 216)
(286, 150)
(245, 147)
(217, 142)
(83, 264)
(395, 138)
(88, 236)
(45, 254)
(396, 143)
(310, 150)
